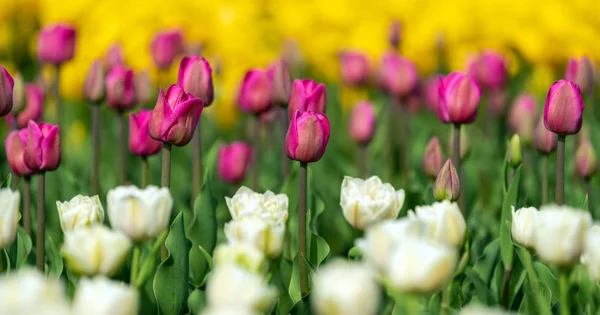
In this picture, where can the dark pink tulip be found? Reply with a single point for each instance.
(6, 92)
(269, 116)
(433, 158)
(142, 84)
(233, 162)
(165, 46)
(394, 34)
(281, 83)
(581, 72)
(34, 102)
(489, 69)
(120, 92)
(543, 139)
(114, 57)
(354, 67)
(175, 116)
(397, 76)
(255, 93)
(307, 95)
(56, 44)
(140, 142)
(459, 96)
(564, 108)
(432, 92)
(42, 152)
(15, 149)
(362, 123)
(195, 76)
(95, 82)
(307, 136)
(586, 162)
(522, 116)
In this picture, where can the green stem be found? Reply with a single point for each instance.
(145, 171)
(391, 136)
(96, 148)
(563, 279)
(285, 161)
(149, 263)
(165, 181)
(506, 287)
(363, 161)
(27, 206)
(57, 99)
(588, 191)
(135, 261)
(560, 170)
(122, 148)
(457, 164)
(544, 179)
(255, 152)
(41, 225)
(196, 163)
(302, 230)
(405, 141)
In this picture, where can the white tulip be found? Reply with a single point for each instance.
(231, 285)
(559, 233)
(101, 296)
(142, 214)
(249, 204)
(591, 252)
(228, 310)
(80, 211)
(482, 310)
(365, 202)
(421, 266)
(445, 222)
(95, 250)
(244, 255)
(9, 216)
(523, 222)
(265, 235)
(343, 287)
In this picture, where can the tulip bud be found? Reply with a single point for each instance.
(523, 222)
(142, 84)
(81, 211)
(354, 68)
(362, 123)
(34, 101)
(564, 108)
(9, 216)
(307, 95)
(307, 137)
(94, 85)
(489, 69)
(113, 57)
(522, 115)
(447, 185)
(445, 223)
(26, 291)
(365, 202)
(95, 250)
(343, 287)
(591, 252)
(56, 44)
(432, 92)
(433, 158)
(515, 152)
(397, 76)
(394, 34)
(249, 204)
(581, 72)
(195, 77)
(175, 116)
(6, 92)
(165, 46)
(234, 160)
(291, 53)
(459, 96)
(140, 142)
(18, 93)
(15, 152)
(543, 139)
(281, 83)
(101, 296)
(120, 92)
(243, 255)
(585, 160)
(465, 146)
(142, 214)
(255, 92)
(496, 102)
(42, 151)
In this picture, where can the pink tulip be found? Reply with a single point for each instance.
(564, 108)
(120, 92)
(195, 76)
(114, 57)
(307, 136)
(42, 151)
(586, 162)
(433, 158)
(307, 95)
(432, 92)
(354, 68)
(496, 101)
(142, 84)
(175, 116)
(489, 69)
(56, 44)
(543, 139)
(6, 92)
(447, 183)
(140, 142)
(95, 81)
(522, 116)
(234, 160)
(281, 83)
(15, 149)
(165, 46)
(18, 93)
(362, 123)
(34, 102)
(255, 92)
(459, 96)
(581, 72)
(397, 76)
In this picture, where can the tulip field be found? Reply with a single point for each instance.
(172, 183)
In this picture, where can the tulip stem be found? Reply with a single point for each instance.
(41, 226)
(122, 148)
(302, 230)
(57, 99)
(165, 181)
(145, 171)
(27, 205)
(14, 181)
(96, 148)
(544, 179)
(363, 160)
(255, 152)
(506, 287)
(563, 279)
(285, 161)
(405, 142)
(456, 162)
(560, 170)
(588, 190)
(135, 262)
(196, 163)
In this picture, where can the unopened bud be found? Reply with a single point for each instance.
(515, 152)
(447, 184)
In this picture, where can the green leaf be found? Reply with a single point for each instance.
(5, 261)
(546, 277)
(354, 253)
(171, 280)
(537, 300)
(54, 259)
(319, 249)
(585, 205)
(7, 182)
(294, 288)
(510, 200)
(196, 301)
(301, 307)
(482, 291)
(20, 250)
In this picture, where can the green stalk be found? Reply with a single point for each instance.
(145, 171)
(302, 230)
(135, 262)
(27, 206)
(122, 148)
(563, 279)
(96, 148)
(544, 179)
(560, 170)
(196, 163)
(41, 225)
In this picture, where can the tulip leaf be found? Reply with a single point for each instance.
(319, 250)
(5, 261)
(482, 291)
(545, 276)
(536, 300)
(510, 200)
(294, 288)
(20, 250)
(354, 253)
(584, 205)
(196, 301)
(301, 307)
(7, 182)
(54, 259)
(171, 280)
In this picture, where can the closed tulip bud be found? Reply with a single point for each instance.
(56, 44)
(489, 69)
(249, 204)
(433, 158)
(140, 141)
(394, 34)
(142, 84)
(591, 252)
(15, 152)
(142, 214)
(94, 85)
(81, 211)
(281, 83)
(362, 123)
(9, 216)
(447, 185)
(243, 255)
(95, 250)
(365, 202)
(354, 67)
(586, 163)
(175, 116)
(523, 223)
(559, 234)
(113, 57)
(266, 235)
(307, 137)
(522, 116)
(233, 163)
(445, 222)
(6, 92)
(255, 92)
(459, 96)
(26, 291)
(432, 92)
(581, 72)
(18, 93)
(42, 151)
(195, 77)
(564, 108)
(397, 76)
(165, 46)
(515, 151)
(343, 287)
(307, 95)
(101, 296)
(34, 102)
(543, 139)
(120, 92)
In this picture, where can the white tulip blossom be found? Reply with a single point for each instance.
(244, 255)
(591, 252)
(228, 310)
(523, 222)
(265, 235)
(80, 211)
(101, 296)
(445, 222)
(249, 204)
(9, 216)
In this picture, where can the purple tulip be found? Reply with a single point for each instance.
(255, 92)
(195, 76)
(15, 150)
(120, 92)
(564, 108)
(459, 96)
(140, 142)
(7, 85)
(307, 136)
(56, 44)
(165, 46)
(234, 160)
(307, 95)
(42, 151)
